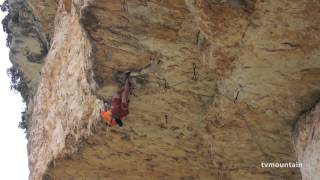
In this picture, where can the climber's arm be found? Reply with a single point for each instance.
(125, 92)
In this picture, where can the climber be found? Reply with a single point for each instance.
(119, 106)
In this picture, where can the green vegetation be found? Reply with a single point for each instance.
(5, 22)
(18, 84)
(23, 124)
(4, 6)
(16, 79)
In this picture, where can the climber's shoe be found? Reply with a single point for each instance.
(119, 122)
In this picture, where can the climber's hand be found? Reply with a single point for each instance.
(127, 74)
(130, 82)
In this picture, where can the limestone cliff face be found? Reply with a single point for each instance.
(230, 81)
(306, 139)
(29, 44)
(65, 94)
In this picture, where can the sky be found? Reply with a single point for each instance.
(13, 144)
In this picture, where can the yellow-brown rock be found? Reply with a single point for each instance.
(306, 141)
(232, 79)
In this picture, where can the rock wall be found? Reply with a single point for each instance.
(64, 107)
(27, 42)
(230, 80)
(306, 139)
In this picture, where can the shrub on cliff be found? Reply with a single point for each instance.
(16, 76)
(4, 6)
(17, 81)
(18, 84)
(23, 124)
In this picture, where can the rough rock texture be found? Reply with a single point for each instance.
(231, 79)
(306, 139)
(65, 94)
(27, 42)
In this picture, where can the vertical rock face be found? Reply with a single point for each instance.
(64, 106)
(28, 43)
(306, 139)
(222, 96)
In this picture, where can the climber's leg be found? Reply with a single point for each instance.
(125, 99)
(125, 93)
(116, 104)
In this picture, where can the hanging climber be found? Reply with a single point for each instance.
(119, 105)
